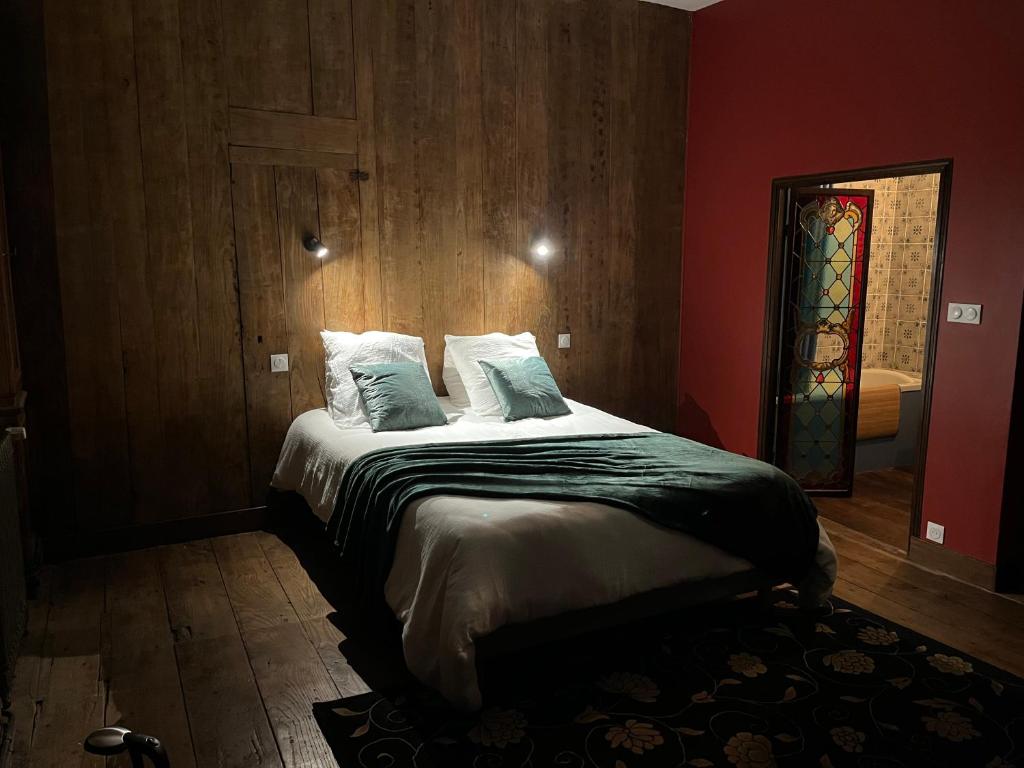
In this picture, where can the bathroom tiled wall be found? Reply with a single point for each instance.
(899, 270)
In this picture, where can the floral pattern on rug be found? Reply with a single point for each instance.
(725, 686)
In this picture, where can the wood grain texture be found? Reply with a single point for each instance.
(27, 690)
(167, 469)
(351, 277)
(939, 558)
(142, 682)
(663, 50)
(878, 412)
(268, 55)
(222, 429)
(221, 695)
(364, 15)
(263, 316)
(248, 692)
(332, 58)
(258, 600)
(192, 149)
(90, 305)
(298, 217)
(879, 507)
(295, 158)
(257, 128)
(70, 686)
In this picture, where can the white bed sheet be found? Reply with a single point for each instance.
(466, 566)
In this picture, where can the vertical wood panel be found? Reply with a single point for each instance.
(450, 275)
(468, 146)
(395, 92)
(346, 272)
(498, 65)
(303, 286)
(224, 441)
(518, 288)
(598, 316)
(332, 58)
(364, 26)
(268, 53)
(483, 126)
(625, 261)
(167, 472)
(565, 192)
(88, 271)
(264, 327)
(661, 142)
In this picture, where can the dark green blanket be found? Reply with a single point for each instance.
(743, 506)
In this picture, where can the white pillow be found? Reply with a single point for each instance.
(466, 353)
(342, 350)
(452, 381)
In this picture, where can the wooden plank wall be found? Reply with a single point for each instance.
(194, 144)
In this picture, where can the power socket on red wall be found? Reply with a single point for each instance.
(936, 533)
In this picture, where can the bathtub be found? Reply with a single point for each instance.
(907, 382)
(899, 450)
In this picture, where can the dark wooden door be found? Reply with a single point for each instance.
(288, 295)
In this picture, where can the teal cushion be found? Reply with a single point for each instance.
(397, 396)
(524, 388)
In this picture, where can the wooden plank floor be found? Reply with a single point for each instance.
(220, 647)
(879, 506)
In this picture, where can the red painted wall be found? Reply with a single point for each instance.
(793, 87)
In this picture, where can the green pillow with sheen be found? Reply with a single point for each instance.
(397, 396)
(524, 388)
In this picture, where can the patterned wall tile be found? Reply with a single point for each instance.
(919, 230)
(899, 277)
(912, 282)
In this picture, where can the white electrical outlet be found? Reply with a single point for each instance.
(564, 341)
(936, 533)
(278, 363)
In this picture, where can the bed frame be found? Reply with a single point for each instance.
(646, 605)
(290, 509)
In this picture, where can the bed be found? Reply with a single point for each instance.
(467, 570)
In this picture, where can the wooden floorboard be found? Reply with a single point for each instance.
(229, 722)
(879, 506)
(222, 646)
(289, 671)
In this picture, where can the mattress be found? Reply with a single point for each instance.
(466, 566)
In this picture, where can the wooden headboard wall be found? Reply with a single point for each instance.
(194, 143)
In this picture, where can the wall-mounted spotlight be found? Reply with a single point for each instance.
(542, 248)
(315, 247)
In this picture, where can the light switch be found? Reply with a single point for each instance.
(564, 341)
(279, 363)
(964, 313)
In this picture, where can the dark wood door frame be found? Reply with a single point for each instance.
(773, 302)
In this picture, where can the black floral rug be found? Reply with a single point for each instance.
(724, 686)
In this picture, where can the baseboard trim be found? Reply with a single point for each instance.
(964, 567)
(104, 542)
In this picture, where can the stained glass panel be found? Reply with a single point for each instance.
(822, 321)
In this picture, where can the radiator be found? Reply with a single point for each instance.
(12, 570)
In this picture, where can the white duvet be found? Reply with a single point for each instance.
(465, 566)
